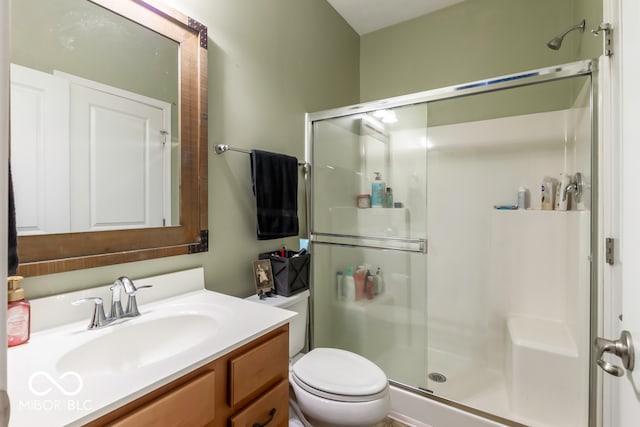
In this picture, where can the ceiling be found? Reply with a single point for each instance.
(366, 16)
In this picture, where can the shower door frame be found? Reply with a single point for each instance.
(511, 81)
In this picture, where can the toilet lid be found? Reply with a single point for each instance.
(340, 372)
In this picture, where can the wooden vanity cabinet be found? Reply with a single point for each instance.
(245, 388)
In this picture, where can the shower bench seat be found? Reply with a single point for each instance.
(543, 368)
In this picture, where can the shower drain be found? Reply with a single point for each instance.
(437, 377)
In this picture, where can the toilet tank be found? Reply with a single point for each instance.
(298, 325)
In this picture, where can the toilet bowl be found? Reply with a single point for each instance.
(338, 388)
(332, 387)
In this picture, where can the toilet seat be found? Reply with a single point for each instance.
(334, 396)
(339, 375)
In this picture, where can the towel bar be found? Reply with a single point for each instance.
(221, 148)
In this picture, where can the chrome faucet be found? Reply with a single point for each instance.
(575, 186)
(99, 319)
(116, 305)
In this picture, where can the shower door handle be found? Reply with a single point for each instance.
(622, 347)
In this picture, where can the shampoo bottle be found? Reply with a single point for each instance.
(18, 313)
(377, 191)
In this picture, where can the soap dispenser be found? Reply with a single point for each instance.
(18, 313)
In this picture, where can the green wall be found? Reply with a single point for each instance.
(474, 40)
(591, 11)
(270, 61)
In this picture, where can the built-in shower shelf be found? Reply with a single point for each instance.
(539, 212)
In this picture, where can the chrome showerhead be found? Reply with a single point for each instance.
(556, 42)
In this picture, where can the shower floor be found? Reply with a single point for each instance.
(466, 382)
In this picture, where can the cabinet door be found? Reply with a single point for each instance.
(271, 409)
(258, 368)
(190, 405)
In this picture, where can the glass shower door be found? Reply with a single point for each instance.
(493, 312)
(383, 320)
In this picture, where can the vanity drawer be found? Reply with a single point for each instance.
(190, 405)
(258, 368)
(270, 410)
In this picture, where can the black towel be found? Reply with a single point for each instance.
(13, 235)
(275, 186)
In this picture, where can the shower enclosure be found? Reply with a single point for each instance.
(483, 305)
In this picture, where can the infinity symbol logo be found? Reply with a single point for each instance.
(55, 383)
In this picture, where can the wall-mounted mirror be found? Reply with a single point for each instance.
(109, 133)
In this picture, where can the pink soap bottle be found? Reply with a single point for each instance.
(18, 313)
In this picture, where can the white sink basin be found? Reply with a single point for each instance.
(182, 327)
(138, 343)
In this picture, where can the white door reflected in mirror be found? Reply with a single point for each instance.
(98, 158)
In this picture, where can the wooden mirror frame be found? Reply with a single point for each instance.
(55, 253)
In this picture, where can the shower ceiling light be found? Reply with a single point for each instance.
(386, 116)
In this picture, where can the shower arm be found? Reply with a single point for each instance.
(579, 26)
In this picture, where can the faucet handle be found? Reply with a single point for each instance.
(129, 287)
(98, 319)
(132, 304)
(133, 293)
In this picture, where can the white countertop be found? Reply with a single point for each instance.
(44, 392)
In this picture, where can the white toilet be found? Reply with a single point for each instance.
(334, 388)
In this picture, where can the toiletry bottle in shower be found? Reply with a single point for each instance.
(522, 198)
(388, 198)
(546, 193)
(562, 203)
(360, 277)
(378, 282)
(348, 285)
(377, 191)
(339, 287)
(369, 286)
